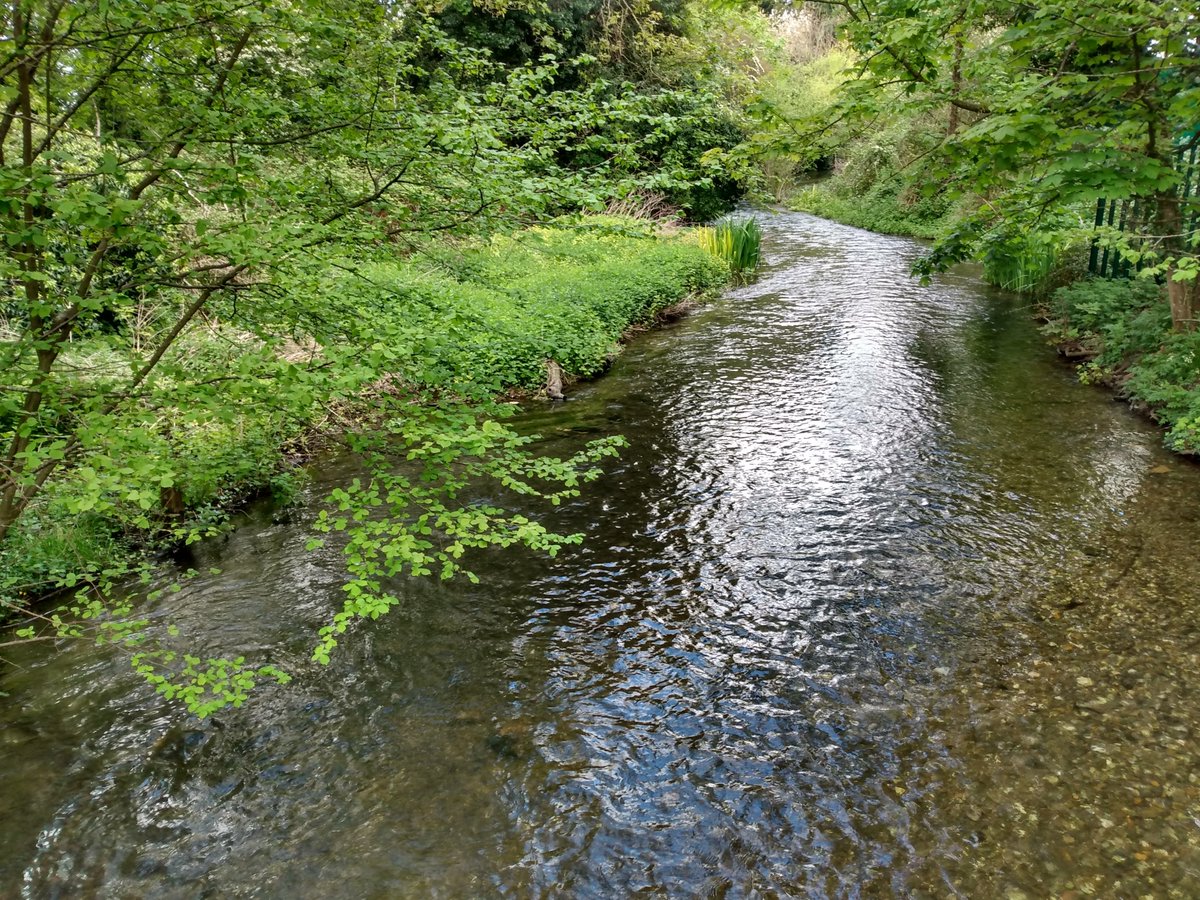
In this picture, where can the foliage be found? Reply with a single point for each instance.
(669, 142)
(1103, 311)
(737, 243)
(622, 39)
(184, 187)
(1026, 263)
(880, 178)
(405, 523)
(879, 210)
(1042, 112)
(406, 340)
(52, 547)
(1126, 328)
(519, 34)
(784, 71)
(487, 319)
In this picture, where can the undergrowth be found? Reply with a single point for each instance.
(1123, 326)
(882, 209)
(477, 321)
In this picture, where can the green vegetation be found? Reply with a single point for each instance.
(1123, 328)
(881, 211)
(737, 243)
(498, 312)
(233, 228)
(472, 321)
(994, 133)
(878, 182)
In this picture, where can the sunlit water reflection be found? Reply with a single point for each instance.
(879, 602)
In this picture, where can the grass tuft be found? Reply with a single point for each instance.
(737, 243)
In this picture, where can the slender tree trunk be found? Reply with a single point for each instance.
(1183, 296)
(956, 86)
(1168, 217)
(27, 262)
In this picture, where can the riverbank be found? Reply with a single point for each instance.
(470, 321)
(1119, 333)
(881, 209)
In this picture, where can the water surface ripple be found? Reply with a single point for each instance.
(879, 602)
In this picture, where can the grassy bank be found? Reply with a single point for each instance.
(880, 180)
(883, 209)
(470, 321)
(1121, 329)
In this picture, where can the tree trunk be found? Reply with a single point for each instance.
(1181, 294)
(554, 380)
(1183, 297)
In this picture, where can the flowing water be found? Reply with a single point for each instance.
(879, 602)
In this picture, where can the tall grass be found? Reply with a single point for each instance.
(1026, 272)
(1024, 264)
(738, 243)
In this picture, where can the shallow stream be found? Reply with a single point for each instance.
(879, 602)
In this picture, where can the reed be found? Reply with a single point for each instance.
(738, 243)
(1024, 265)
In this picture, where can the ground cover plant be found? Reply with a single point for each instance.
(880, 210)
(426, 341)
(1122, 327)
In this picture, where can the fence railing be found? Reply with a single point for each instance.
(1136, 217)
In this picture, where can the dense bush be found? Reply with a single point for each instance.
(669, 142)
(879, 183)
(1115, 318)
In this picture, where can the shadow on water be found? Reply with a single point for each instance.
(878, 602)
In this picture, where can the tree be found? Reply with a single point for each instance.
(141, 151)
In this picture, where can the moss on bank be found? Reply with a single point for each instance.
(474, 321)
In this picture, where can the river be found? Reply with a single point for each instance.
(879, 602)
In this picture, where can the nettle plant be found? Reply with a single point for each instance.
(172, 176)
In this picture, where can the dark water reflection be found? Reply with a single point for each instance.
(879, 602)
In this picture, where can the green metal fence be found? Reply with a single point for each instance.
(1136, 218)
